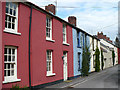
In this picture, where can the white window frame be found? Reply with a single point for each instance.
(50, 27)
(10, 30)
(11, 78)
(50, 73)
(64, 34)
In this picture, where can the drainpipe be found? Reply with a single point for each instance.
(30, 47)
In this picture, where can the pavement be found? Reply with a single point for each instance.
(108, 78)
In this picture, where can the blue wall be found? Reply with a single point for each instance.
(78, 49)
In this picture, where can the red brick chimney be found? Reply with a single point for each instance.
(72, 20)
(50, 8)
(101, 36)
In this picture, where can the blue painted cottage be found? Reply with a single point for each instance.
(80, 39)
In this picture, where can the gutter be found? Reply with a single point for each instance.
(30, 47)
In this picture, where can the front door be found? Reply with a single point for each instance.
(65, 66)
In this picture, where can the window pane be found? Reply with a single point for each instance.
(13, 20)
(13, 51)
(12, 66)
(49, 66)
(9, 51)
(6, 24)
(9, 19)
(14, 13)
(6, 9)
(9, 58)
(5, 51)
(4, 72)
(6, 17)
(11, 11)
(13, 26)
(8, 66)
(11, 5)
(7, 4)
(13, 58)
(12, 72)
(5, 58)
(4, 66)
(8, 72)
(9, 25)
(15, 6)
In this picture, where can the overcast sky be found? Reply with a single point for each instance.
(92, 15)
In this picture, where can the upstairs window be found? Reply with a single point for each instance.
(78, 39)
(48, 28)
(93, 44)
(85, 39)
(11, 17)
(64, 34)
(81, 39)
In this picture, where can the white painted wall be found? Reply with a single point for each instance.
(111, 46)
(93, 52)
(108, 56)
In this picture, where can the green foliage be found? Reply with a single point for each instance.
(113, 57)
(85, 61)
(97, 61)
(102, 60)
(17, 87)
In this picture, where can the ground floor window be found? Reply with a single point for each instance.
(10, 63)
(79, 61)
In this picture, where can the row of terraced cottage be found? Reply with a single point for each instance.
(38, 48)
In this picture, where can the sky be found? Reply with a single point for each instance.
(92, 15)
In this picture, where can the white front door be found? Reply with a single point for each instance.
(65, 66)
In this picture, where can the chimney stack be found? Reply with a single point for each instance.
(72, 20)
(50, 8)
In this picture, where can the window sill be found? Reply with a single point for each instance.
(50, 40)
(51, 74)
(8, 31)
(66, 44)
(16, 80)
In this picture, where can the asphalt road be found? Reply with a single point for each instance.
(105, 79)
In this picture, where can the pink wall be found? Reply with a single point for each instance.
(21, 41)
(39, 45)
(0, 45)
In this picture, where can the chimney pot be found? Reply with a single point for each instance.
(72, 20)
(50, 8)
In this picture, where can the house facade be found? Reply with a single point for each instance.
(108, 54)
(94, 43)
(37, 46)
(80, 40)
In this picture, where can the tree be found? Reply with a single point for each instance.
(102, 60)
(97, 61)
(85, 61)
(113, 57)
